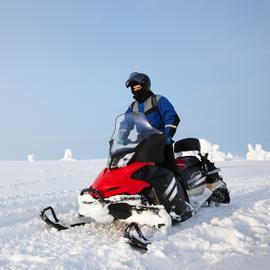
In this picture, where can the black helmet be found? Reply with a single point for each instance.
(140, 78)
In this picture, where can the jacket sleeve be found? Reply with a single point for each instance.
(169, 116)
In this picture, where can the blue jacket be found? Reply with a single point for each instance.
(159, 112)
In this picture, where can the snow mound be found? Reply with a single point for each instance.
(258, 153)
(214, 154)
(31, 158)
(68, 155)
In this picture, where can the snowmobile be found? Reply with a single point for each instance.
(135, 187)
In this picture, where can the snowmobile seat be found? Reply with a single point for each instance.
(187, 144)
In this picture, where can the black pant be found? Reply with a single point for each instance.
(169, 160)
(170, 164)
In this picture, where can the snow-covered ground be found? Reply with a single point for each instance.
(235, 236)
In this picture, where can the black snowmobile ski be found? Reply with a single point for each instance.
(54, 222)
(137, 240)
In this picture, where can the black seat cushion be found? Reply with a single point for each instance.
(187, 144)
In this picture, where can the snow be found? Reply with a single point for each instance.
(258, 153)
(234, 236)
(68, 155)
(213, 150)
(97, 211)
(31, 158)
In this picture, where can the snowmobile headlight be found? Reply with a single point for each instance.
(124, 160)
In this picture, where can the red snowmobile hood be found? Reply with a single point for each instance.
(120, 181)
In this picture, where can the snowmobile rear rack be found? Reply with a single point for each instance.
(55, 222)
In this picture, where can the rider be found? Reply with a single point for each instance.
(158, 110)
(162, 116)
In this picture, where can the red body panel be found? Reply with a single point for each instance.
(119, 181)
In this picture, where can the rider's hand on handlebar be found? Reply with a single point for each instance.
(168, 140)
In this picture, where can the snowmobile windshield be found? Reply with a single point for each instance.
(130, 130)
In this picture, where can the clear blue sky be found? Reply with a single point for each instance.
(63, 65)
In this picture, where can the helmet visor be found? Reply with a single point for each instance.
(131, 83)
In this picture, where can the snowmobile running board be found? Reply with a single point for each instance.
(56, 223)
